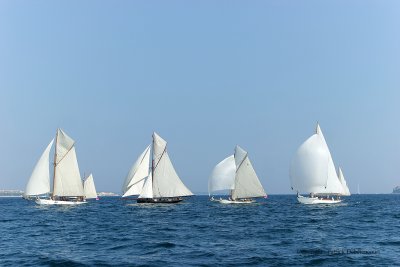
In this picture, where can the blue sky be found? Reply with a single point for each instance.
(206, 75)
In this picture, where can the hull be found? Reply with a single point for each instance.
(317, 200)
(41, 201)
(238, 201)
(168, 200)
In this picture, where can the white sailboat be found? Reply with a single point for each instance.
(67, 183)
(153, 178)
(89, 188)
(236, 174)
(313, 171)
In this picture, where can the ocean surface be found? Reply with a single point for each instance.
(364, 230)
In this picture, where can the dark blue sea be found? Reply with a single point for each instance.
(364, 230)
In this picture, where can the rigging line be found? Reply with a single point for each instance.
(241, 162)
(55, 164)
(162, 154)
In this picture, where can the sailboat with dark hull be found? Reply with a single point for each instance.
(152, 178)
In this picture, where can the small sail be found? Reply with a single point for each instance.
(89, 188)
(166, 182)
(135, 179)
(39, 182)
(223, 176)
(344, 184)
(247, 184)
(147, 191)
(67, 180)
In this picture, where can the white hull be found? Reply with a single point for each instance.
(227, 201)
(317, 200)
(41, 201)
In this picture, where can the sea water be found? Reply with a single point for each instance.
(363, 230)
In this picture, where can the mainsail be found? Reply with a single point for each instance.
(166, 182)
(135, 179)
(67, 179)
(89, 188)
(247, 184)
(39, 182)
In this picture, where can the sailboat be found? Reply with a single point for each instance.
(89, 188)
(312, 171)
(67, 183)
(152, 178)
(236, 174)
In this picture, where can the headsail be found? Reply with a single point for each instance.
(67, 180)
(346, 189)
(223, 176)
(147, 191)
(89, 188)
(166, 182)
(39, 182)
(247, 184)
(134, 181)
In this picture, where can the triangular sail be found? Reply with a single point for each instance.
(166, 182)
(346, 189)
(39, 182)
(147, 191)
(223, 176)
(333, 185)
(89, 188)
(247, 184)
(67, 180)
(134, 181)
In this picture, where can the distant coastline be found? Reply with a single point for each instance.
(11, 193)
(20, 193)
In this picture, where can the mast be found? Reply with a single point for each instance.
(152, 165)
(54, 165)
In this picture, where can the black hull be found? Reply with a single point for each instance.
(167, 200)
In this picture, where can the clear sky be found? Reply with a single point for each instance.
(205, 75)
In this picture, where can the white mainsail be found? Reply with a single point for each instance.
(346, 189)
(312, 169)
(135, 179)
(67, 180)
(247, 184)
(89, 188)
(223, 176)
(166, 182)
(39, 182)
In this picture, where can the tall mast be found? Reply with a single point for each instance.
(152, 164)
(54, 166)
